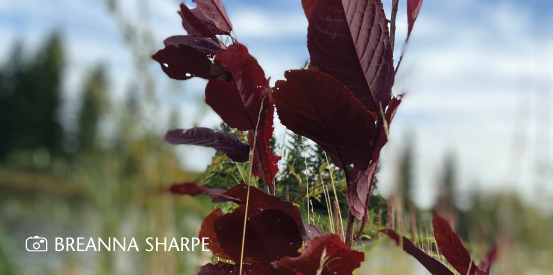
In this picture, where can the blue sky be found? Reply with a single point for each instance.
(477, 74)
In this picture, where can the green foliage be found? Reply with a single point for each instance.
(223, 173)
(30, 93)
(94, 104)
(406, 171)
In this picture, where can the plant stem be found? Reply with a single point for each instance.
(393, 23)
(349, 229)
(260, 169)
(244, 230)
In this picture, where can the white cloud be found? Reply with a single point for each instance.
(263, 24)
(463, 82)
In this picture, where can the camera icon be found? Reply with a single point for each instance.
(36, 244)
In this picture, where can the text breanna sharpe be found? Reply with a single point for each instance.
(112, 244)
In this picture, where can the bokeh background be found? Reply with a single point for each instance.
(83, 110)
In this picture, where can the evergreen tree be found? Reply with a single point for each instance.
(9, 75)
(293, 174)
(406, 171)
(29, 100)
(94, 103)
(446, 201)
(47, 74)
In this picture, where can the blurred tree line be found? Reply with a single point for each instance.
(31, 99)
(55, 155)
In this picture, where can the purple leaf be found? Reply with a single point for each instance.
(413, 8)
(260, 200)
(204, 45)
(431, 264)
(207, 231)
(196, 24)
(214, 11)
(359, 191)
(451, 246)
(349, 40)
(487, 262)
(227, 143)
(340, 259)
(183, 62)
(310, 231)
(220, 268)
(252, 88)
(192, 189)
(270, 235)
(224, 99)
(308, 7)
(189, 188)
(317, 106)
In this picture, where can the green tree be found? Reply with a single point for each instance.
(94, 104)
(446, 200)
(9, 75)
(29, 99)
(293, 174)
(406, 178)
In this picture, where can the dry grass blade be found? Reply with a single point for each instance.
(470, 266)
(249, 184)
(323, 260)
(334, 190)
(306, 178)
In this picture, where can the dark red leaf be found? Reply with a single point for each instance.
(487, 262)
(317, 106)
(239, 47)
(220, 268)
(431, 264)
(310, 231)
(270, 235)
(261, 200)
(224, 99)
(384, 128)
(190, 188)
(413, 8)
(359, 191)
(207, 231)
(349, 40)
(258, 200)
(340, 259)
(451, 246)
(255, 94)
(249, 79)
(204, 45)
(218, 196)
(214, 11)
(249, 269)
(269, 161)
(183, 62)
(227, 143)
(308, 7)
(196, 24)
